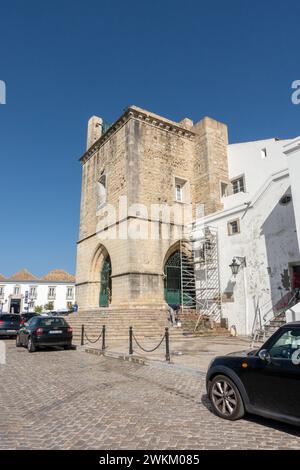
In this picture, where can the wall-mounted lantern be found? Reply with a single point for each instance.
(235, 266)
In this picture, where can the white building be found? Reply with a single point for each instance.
(292, 151)
(257, 228)
(56, 291)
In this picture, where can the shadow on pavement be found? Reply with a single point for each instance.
(269, 423)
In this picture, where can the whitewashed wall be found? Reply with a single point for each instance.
(292, 152)
(268, 237)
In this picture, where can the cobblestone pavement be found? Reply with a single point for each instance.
(193, 352)
(59, 399)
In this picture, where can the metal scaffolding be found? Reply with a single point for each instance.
(200, 282)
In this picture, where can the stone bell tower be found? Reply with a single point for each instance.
(94, 132)
(142, 160)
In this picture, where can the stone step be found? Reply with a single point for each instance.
(125, 330)
(121, 325)
(103, 321)
(145, 323)
(96, 331)
(276, 323)
(108, 322)
(112, 318)
(125, 338)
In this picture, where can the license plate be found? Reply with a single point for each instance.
(11, 331)
(55, 332)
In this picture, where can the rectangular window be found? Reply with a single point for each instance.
(51, 292)
(224, 189)
(178, 193)
(238, 185)
(101, 190)
(263, 153)
(16, 290)
(233, 227)
(1, 292)
(33, 293)
(182, 191)
(69, 292)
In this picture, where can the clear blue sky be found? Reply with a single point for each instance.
(66, 60)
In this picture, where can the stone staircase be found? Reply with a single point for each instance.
(262, 334)
(189, 320)
(277, 319)
(146, 324)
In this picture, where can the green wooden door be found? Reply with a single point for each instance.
(105, 288)
(173, 280)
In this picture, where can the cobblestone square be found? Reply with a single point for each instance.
(59, 399)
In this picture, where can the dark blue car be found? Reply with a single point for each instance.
(9, 324)
(265, 382)
(42, 331)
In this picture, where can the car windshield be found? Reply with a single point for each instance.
(52, 322)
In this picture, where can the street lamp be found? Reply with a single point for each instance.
(234, 266)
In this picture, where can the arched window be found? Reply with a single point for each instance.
(101, 190)
(106, 284)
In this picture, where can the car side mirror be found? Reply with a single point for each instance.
(264, 356)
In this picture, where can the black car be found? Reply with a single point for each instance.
(25, 317)
(9, 324)
(45, 331)
(265, 382)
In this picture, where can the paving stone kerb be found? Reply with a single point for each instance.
(192, 352)
(73, 400)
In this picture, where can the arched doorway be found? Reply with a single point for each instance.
(179, 287)
(173, 279)
(105, 283)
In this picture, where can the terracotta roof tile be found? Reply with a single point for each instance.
(23, 275)
(59, 275)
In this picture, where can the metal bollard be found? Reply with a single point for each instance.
(103, 338)
(167, 345)
(130, 340)
(82, 335)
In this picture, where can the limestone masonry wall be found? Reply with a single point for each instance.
(141, 157)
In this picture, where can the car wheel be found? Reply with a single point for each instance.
(67, 347)
(226, 399)
(18, 342)
(30, 345)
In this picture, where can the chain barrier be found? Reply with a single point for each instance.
(132, 338)
(165, 337)
(92, 341)
(149, 350)
(102, 335)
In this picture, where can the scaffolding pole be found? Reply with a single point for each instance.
(200, 282)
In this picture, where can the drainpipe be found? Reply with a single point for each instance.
(246, 299)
